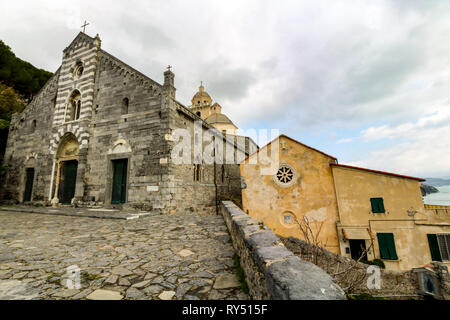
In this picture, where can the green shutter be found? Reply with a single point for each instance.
(387, 246)
(377, 205)
(381, 205)
(434, 247)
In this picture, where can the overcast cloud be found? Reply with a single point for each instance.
(366, 81)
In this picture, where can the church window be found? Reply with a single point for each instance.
(74, 107)
(199, 113)
(78, 70)
(125, 103)
(285, 175)
(197, 172)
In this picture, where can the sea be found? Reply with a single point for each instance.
(441, 198)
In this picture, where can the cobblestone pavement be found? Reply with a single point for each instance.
(153, 257)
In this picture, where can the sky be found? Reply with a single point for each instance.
(365, 81)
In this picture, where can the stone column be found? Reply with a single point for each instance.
(55, 199)
(52, 180)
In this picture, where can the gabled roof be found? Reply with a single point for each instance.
(376, 171)
(80, 37)
(293, 140)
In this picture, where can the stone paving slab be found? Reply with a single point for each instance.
(100, 213)
(155, 257)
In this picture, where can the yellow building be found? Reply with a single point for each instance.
(345, 209)
(212, 113)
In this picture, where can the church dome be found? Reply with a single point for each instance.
(201, 98)
(218, 118)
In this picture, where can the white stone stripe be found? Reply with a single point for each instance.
(89, 52)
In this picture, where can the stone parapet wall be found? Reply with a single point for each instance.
(272, 271)
(352, 276)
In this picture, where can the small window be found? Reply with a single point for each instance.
(387, 246)
(199, 113)
(33, 126)
(74, 107)
(78, 70)
(444, 245)
(197, 172)
(434, 247)
(288, 219)
(125, 103)
(377, 205)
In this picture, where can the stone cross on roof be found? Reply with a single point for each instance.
(84, 26)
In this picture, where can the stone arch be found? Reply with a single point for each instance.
(58, 138)
(120, 146)
(66, 163)
(30, 160)
(68, 147)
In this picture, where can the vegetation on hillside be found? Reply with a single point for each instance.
(22, 76)
(20, 81)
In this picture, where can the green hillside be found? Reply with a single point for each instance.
(20, 81)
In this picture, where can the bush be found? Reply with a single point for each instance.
(375, 262)
(363, 296)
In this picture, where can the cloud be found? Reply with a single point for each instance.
(302, 67)
(344, 140)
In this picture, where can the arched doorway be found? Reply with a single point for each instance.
(67, 162)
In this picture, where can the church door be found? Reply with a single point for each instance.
(28, 184)
(119, 187)
(68, 181)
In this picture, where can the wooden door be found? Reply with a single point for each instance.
(28, 184)
(69, 178)
(119, 187)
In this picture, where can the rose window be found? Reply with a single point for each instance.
(285, 175)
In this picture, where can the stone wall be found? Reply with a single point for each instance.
(352, 276)
(217, 181)
(27, 146)
(272, 271)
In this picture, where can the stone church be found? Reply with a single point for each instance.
(100, 133)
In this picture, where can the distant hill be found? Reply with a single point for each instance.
(437, 182)
(426, 189)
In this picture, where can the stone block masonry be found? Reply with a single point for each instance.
(272, 271)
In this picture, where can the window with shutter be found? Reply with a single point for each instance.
(377, 205)
(387, 246)
(434, 247)
(444, 245)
